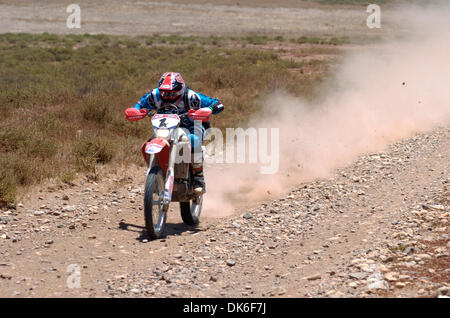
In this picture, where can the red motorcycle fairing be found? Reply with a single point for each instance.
(132, 114)
(202, 114)
(161, 148)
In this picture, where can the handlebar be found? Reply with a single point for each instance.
(202, 114)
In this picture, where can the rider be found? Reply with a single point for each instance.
(173, 90)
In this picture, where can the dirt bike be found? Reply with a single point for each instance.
(169, 173)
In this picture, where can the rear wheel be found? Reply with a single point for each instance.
(154, 211)
(190, 211)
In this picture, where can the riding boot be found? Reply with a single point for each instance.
(197, 160)
(199, 180)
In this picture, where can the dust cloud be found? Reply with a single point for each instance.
(378, 95)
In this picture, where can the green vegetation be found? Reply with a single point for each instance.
(256, 39)
(315, 40)
(62, 97)
(263, 39)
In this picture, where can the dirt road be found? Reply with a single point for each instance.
(377, 227)
(291, 18)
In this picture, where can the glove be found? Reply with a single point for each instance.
(202, 114)
(132, 114)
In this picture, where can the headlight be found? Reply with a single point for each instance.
(163, 133)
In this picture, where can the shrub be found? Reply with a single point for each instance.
(95, 108)
(7, 188)
(51, 126)
(92, 150)
(29, 142)
(68, 176)
(132, 44)
(257, 39)
(278, 38)
(16, 170)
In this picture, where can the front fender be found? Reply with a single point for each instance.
(155, 146)
(160, 148)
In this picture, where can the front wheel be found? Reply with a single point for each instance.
(154, 210)
(190, 212)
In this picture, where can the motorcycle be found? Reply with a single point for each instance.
(169, 174)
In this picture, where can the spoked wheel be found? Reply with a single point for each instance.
(154, 211)
(190, 211)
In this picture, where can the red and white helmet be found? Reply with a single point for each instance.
(171, 86)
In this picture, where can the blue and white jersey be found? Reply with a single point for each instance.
(191, 100)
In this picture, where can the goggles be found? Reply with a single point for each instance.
(169, 94)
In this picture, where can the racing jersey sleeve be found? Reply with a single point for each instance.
(149, 100)
(199, 100)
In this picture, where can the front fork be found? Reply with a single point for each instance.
(168, 185)
(170, 175)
